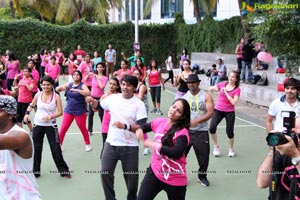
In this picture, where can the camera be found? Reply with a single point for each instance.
(278, 138)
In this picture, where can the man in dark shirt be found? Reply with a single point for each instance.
(248, 54)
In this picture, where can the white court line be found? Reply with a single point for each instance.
(244, 120)
(236, 126)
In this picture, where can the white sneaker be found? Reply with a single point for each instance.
(146, 151)
(216, 151)
(88, 148)
(231, 153)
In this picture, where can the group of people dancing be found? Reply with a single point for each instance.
(123, 126)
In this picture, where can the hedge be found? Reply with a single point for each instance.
(28, 36)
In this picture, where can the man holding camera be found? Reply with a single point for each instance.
(279, 170)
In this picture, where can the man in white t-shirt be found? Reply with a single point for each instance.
(111, 59)
(121, 144)
(16, 155)
(288, 102)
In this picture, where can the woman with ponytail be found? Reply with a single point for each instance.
(167, 170)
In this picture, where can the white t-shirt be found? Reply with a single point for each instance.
(16, 178)
(110, 55)
(275, 109)
(127, 111)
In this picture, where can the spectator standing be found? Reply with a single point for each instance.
(202, 109)
(13, 68)
(111, 60)
(16, 155)
(229, 94)
(75, 94)
(167, 169)
(239, 54)
(49, 107)
(80, 54)
(170, 64)
(155, 81)
(248, 55)
(121, 143)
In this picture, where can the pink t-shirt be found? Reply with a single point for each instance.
(25, 95)
(53, 71)
(167, 170)
(240, 49)
(36, 76)
(223, 103)
(97, 92)
(13, 69)
(105, 122)
(79, 54)
(72, 65)
(86, 68)
(45, 60)
(143, 70)
(121, 73)
(154, 78)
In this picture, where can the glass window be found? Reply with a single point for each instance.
(127, 10)
(149, 15)
(203, 12)
(170, 7)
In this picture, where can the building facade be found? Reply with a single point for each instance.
(163, 11)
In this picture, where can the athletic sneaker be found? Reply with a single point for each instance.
(231, 153)
(146, 151)
(216, 151)
(88, 148)
(153, 110)
(90, 133)
(159, 112)
(203, 181)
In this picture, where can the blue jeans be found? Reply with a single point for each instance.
(129, 157)
(248, 64)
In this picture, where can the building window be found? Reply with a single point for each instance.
(170, 7)
(203, 12)
(127, 10)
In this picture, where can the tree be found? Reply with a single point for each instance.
(279, 30)
(72, 10)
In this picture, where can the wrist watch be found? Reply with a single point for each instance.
(296, 161)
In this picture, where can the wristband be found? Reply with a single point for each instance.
(125, 126)
(27, 112)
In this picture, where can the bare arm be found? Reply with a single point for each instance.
(213, 88)
(233, 100)
(269, 125)
(19, 142)
(263, 179)
(83, 91)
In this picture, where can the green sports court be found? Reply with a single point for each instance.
(230, 178)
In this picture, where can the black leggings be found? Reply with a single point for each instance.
(171, 76)
(151, 186)
(155, 94)
(218, 117)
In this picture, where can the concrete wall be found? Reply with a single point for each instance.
(260, 95)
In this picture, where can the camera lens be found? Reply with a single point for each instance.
(273, 139)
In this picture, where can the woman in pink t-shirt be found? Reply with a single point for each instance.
(113, 88)
(52, 69)
(44, 56)
(123, 71)
(167, 169)
(99, 81)
(13, 68)
(229, 94)
(25, 85)
(72, 65)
